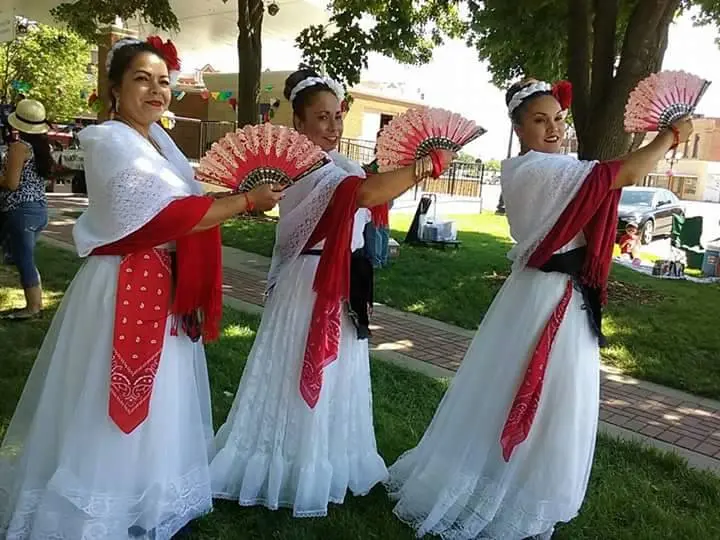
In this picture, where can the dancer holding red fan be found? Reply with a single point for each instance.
(113, 434)
(509, 451)
(300, 431)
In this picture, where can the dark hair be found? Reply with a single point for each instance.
(121, 59)
(519, 111)
(305, 96)
(41, 152)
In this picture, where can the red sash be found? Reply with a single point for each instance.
(144, 299)
(593, 211)
(332, 285)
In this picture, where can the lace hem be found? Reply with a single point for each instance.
(288, 505)
(59, 513)
(333, 479)
(475, 506)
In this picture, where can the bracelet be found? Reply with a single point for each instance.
(249, 205)
(676, 137)
(423, 169)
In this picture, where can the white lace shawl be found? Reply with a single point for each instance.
(536, 189)
(301, 209)
(128, 182)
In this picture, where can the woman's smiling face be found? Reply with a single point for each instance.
(322, 120)
(542, 125)
(144, 94)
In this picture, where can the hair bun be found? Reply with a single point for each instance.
(295, 78)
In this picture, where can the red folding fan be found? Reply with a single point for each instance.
(661, 99)
(264, 154)
(415, 133)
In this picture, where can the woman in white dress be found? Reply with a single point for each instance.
(509, 451)
(300, 431)
(112, 436)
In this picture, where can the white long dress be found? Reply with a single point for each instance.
(455, 482)
(274, 450)
(66, 470)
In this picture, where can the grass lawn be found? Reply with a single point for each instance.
(635, 494)
(659, 330)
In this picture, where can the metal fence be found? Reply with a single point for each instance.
(461, 179)
(361, 151)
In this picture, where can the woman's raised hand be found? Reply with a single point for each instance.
(684, 128)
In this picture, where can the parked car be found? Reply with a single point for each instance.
(651, 208)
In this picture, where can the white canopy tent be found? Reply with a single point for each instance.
(208, 30)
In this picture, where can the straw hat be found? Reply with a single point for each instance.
(29, 117)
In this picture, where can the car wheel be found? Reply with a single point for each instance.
(648, 232)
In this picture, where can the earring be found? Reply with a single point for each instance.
(117, 104)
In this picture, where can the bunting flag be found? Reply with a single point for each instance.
(20, 86)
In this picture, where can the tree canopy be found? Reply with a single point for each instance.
(405, 30)
(49, 65)
(605, 47)
(87, 17)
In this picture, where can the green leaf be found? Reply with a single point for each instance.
(87, 17)
(53, 63)
(405, 30)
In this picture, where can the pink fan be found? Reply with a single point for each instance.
(264, 154)
(415, 133)
(661, 99)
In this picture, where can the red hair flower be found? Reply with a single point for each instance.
(167, 50)
(562, 91)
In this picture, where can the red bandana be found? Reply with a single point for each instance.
(144, 299)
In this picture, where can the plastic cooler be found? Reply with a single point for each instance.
(711, 260)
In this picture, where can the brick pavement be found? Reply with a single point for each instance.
(655, 412)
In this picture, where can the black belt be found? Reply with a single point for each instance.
(361, 290)
(571, 263)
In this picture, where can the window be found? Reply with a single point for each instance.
(690, 186)
(696, 143)
(385, 119)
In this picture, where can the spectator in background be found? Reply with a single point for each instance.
(630, 242)
(23, 202)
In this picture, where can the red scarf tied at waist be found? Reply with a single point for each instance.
(331, 285)
(145, 295)
(593, 211)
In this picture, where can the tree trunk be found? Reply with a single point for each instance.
(602, 135)
(249, 43)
